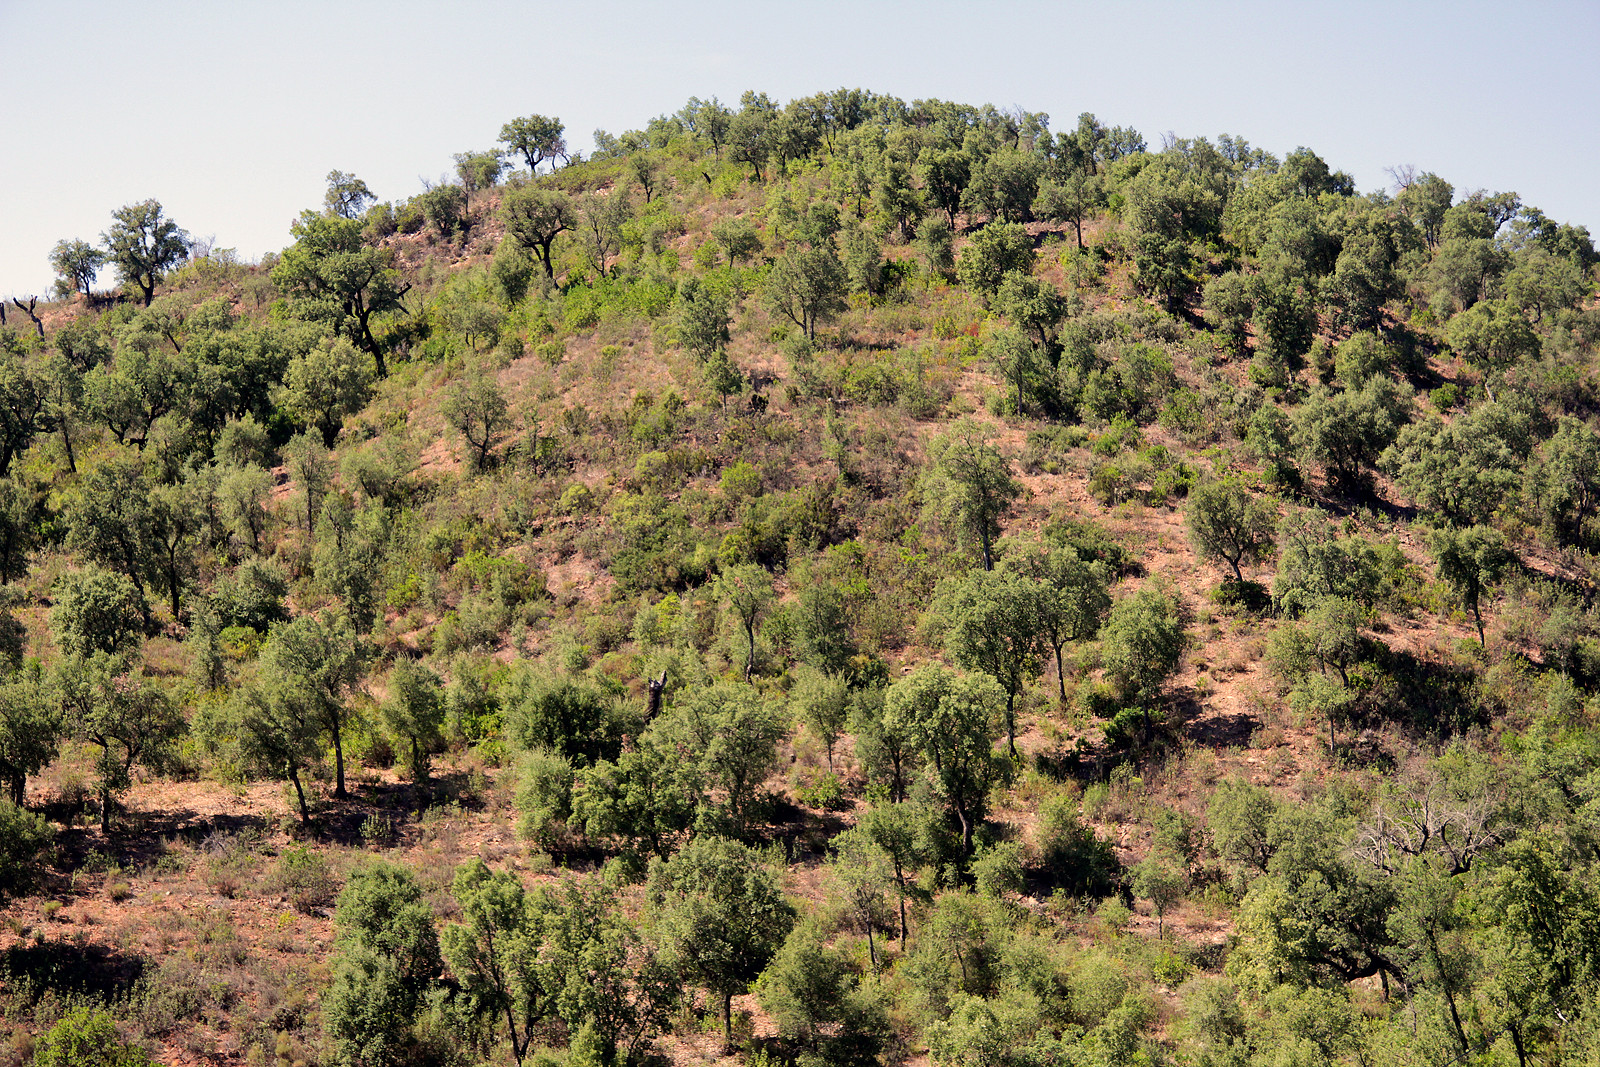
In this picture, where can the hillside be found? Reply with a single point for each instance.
(838, 582)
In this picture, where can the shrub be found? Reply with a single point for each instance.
(306, 878)
(87, 1037)
(1071, 854)
(544, 796)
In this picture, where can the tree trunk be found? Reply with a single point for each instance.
(1061, 678)
(300, 794)
(338, 761)
(872, 949)
(1011, 723)
(727, 1022)
(750, 654)
(66, 441)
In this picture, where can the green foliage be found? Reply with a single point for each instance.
(76, 263)
(1470, 560)
(954, 721)
(576, 720)
(87, 1037)
(731, 736)
(1227, 522)
(807, 286)
(1346, 431)
(144, 245)
(817, 1001)
(331, 276)
(386, 952)
(96, 610)
(1072, 855)
(413, 712)
(996, 627)
(1142, 641)
(544, 796)
(969, 485)
(325, 386)
(720, 917)
(308, 667)
(24, 838)
(995, 251)
(476, 408)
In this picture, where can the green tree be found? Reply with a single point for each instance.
(96, 610)
(110, 705)
(568, 716)
(1347, 431)
(534, 217)
(310, 469)
(386, 953)
(325, 386)
(1070, 198)
(995, 627)
(969, 484)
(737, 237)
(807, 286)
(414, 713)
(821, 625)
(331, 276)
(1566, 484)
(862, 878)
(647, 797)
(732, 734)
(955, 721)
(1142, 642)
(1317, 563)
(76, 263)
(1492, 336)
(601, 219)
(701, 317)
(144, 246)
(822, 702)
(1162, 879)
(536, 138)
(720, 917)
(24, 839)
(475, 407)
(29, 730)
(311, 666)
(814, 996)
(886, 743)
(349, 554)
(996, 250)
(1032, 305)
(1228, 522)
(1471, 559)
(493, 952)
(944, 174)
(747, 590)
(901, 832)
(1461, 471)
(1072, 598)
(275, 736)
(348, 196)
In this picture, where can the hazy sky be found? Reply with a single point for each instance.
(231, 112)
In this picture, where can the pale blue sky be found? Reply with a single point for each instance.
(232, 113)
